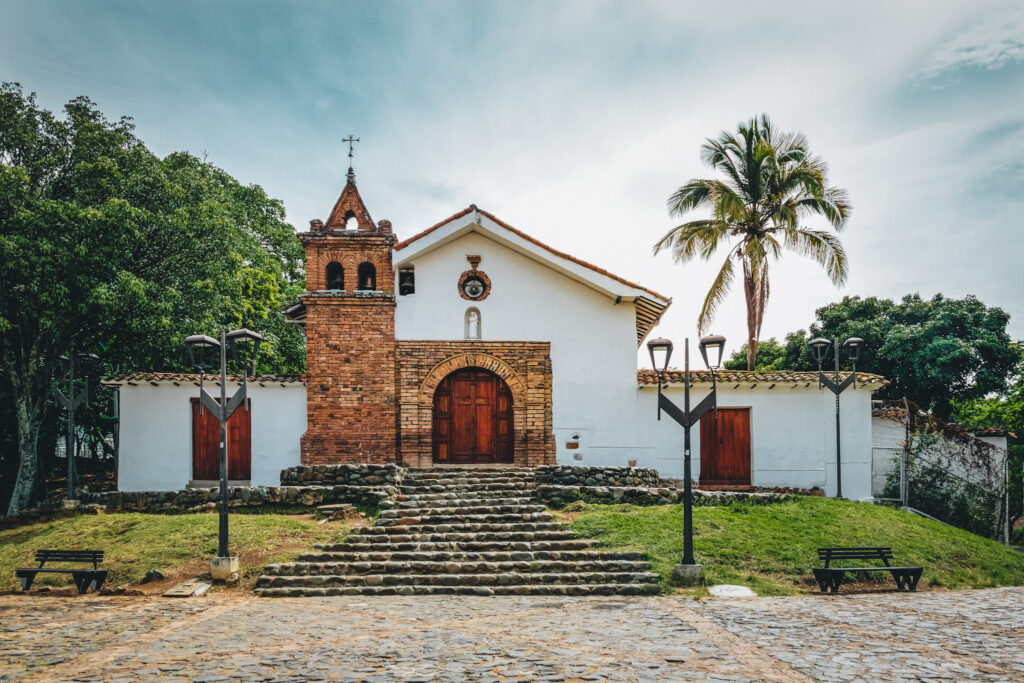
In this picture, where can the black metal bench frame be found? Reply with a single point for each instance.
(829, 578)
(84, 578)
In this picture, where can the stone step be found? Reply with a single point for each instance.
(468, 473)
(518, 536)
(555, 545)
(462, 510)
(497, 579)
(461, 519)
(454, 528)
(460, 487)
(475, 494)
(458, 556)
(413, 502)
(304, 568)
(538, 589)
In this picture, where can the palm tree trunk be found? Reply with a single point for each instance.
(753, 313)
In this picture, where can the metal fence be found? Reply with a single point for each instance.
(940, 472)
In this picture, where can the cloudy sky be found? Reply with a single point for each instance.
(574, 121)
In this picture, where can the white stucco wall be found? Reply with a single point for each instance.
(156, 433)
(792, 435)
(593, 339)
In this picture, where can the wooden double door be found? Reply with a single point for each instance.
(206, 444)
(472, 418)
(725, 447)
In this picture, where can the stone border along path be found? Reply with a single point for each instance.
(462, 531)
(955, 635)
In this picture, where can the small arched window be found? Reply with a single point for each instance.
(335, 276)
(473, 323)
(367, 276)
(350, 221)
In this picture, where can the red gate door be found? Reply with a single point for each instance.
(725, 447)
(206, 444)
(472, 418)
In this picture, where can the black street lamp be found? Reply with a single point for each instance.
(201, 354)
(86, 364)
(661, 350)
(820, 347)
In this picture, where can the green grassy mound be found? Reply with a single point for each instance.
(772, 548)
(178, 545)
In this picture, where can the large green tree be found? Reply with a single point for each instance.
(105, 247)
(770, 185)
(935, 351)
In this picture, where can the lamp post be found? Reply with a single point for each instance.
(820, 347)
(688, 572)
(201, 350)
(86, 363)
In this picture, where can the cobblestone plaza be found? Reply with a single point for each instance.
(961, 635)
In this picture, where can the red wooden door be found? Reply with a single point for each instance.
(725, 446)
(472, 418)
(206, 444)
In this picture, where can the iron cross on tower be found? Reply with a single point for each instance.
(350, 139)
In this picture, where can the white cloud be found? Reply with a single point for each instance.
(994, 41)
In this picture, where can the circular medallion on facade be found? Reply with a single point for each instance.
(474, 285)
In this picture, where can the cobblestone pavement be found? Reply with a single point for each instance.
(966, 635)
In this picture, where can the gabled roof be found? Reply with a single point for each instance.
(349, 205)
(649, 305)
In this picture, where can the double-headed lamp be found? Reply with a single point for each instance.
(716, 345)
(660, 350)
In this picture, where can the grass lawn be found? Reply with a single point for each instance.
(178, 545)
(772, 548)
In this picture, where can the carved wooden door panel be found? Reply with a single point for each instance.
(472, 418)
(725, 447)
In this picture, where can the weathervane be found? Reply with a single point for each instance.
(350, 139)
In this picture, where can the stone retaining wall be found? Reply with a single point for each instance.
(567, 475)
(559, 496)
(200, 500)
(343, 475)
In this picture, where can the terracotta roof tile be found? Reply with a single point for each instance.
(753, 377)
(186, 378)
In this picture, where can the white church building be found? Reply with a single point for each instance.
(473, 343)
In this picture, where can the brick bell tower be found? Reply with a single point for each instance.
(350, 336)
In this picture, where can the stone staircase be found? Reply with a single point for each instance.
(462, 531)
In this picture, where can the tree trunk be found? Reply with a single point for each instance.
(750, 294)
(28, 468)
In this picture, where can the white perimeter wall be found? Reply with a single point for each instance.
(156, 433)
(792, 435)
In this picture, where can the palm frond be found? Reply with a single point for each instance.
(689, 239)
(716, 294)
(823, 247)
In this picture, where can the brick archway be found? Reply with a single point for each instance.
(473, 360)
(525, 367)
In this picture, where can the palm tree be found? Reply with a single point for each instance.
(772, 183)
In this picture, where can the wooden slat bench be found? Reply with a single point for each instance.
(84, 578)
(831, 577)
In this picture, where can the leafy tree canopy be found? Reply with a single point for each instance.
(105, 247)
(934, 351)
